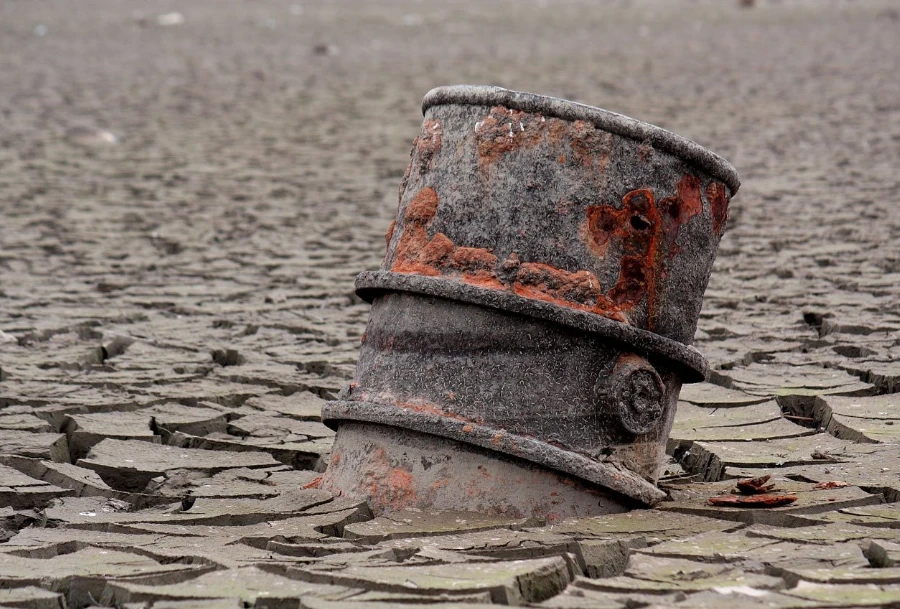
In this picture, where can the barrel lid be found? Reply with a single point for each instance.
(618, 124)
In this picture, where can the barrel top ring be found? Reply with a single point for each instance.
(618, 124)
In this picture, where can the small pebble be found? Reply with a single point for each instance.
(170, 19)
(90, 136)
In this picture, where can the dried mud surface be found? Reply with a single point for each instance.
(177, 304)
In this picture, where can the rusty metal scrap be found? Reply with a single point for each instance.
(536, 305)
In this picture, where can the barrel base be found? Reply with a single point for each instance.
(393, 468)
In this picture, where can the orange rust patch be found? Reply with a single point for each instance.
(580, 290)
(590, 146)
(718, 206)
(439, 484)
(637, 229)
(423, 207)
(688, 188)
(420, 406)
(430, 138)
(410, 255)
(437, 250)
(633, 283)
(473, 259)
(677, 210)
(504, 131)
(468, 428)
(390, 233)
(388, 486)
(582, 287)
(484, 279)
(416, 253)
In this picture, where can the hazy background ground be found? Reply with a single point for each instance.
(261, 144)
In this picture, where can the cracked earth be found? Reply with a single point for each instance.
(184, 203)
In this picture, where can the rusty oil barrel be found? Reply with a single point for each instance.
(532, 320)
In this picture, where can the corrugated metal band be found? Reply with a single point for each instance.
(690, 365)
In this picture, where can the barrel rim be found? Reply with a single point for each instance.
(613, 122)
(688, 362)
(494, 439)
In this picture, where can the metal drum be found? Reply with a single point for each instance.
(532, 319)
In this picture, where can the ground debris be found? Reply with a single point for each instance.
(755, 486)
(753, 501)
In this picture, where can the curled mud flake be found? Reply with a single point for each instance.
(473, 259)
(317, 481)
(830, 484)
(755, 486)
(423, 207)
(718, 206)
(753, 501)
